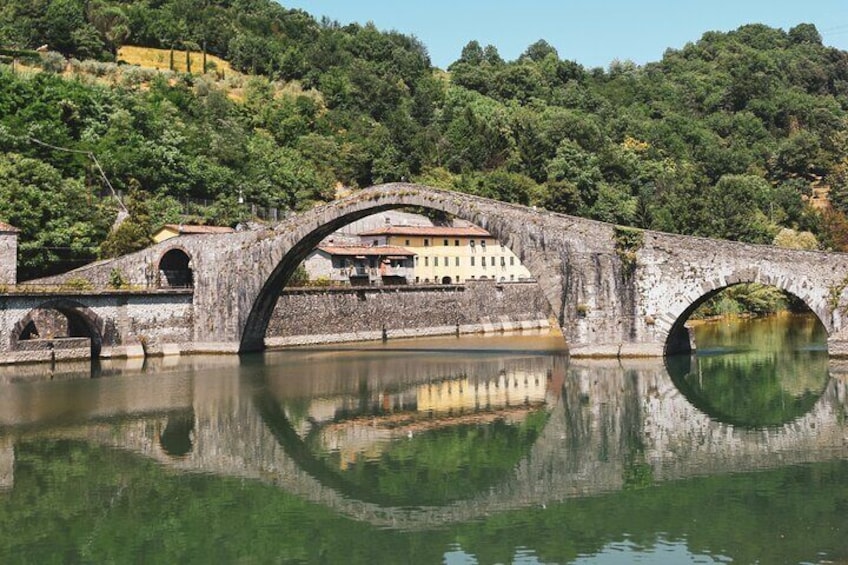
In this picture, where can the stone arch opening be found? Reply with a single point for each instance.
(175, 269)
(57, 320)
(366, 203)
(446, 280)
(680, 339)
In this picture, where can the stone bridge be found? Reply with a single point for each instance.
(238, 429)
(616, 292)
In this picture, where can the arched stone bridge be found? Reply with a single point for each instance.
(615, 291)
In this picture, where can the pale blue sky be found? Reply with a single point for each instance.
(593, 33)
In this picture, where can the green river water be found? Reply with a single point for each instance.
(443, 450)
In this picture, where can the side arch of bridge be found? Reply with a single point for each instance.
(78, 315)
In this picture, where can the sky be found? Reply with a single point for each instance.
(593, 33)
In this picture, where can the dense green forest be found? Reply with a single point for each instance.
(726, 136)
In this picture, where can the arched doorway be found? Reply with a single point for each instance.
(446, 280)
(175, 269)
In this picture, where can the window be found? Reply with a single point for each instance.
(456, 262)
(503, 261)
(417, 280)
(376, 242)
(483, 244)
(472, 261)
(446, 243)
(426, 242)
(502, 247)
(511, 261)
(426, 261)
(456, 242)
(471, 242)
(483, 262)
(512, 277)
(435, 261)
(407, 242)
(416, 260)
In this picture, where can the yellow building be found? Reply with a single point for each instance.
(451, 255)
(173, 230)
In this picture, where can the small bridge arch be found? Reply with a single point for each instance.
(174, 268)
(677, 339)
(82, 322)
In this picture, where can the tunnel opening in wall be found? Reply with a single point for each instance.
(400, 260)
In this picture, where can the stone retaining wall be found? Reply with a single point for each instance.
(329, 315)
(56, 349)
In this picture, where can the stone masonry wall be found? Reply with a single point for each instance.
(8, 258)
(332, 315)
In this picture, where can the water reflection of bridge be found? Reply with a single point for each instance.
(605, 420)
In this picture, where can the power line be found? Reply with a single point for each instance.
(91, 156)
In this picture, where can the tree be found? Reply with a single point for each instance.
(111, 22)
(791, 239)
(538, 51)
(736, 205)
(578, 169)
(62, 18)
(61, 221)
(805, 33)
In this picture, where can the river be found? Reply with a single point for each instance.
(443, 450)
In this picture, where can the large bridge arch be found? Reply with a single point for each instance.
(375, 200)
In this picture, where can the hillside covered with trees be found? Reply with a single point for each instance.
(726, 136)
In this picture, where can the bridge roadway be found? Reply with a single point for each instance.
(590, 430)
(615, 292)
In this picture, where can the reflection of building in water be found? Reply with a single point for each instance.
(510, 396)
(447, 396)
(508, 389)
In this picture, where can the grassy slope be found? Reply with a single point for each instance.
(149, 57)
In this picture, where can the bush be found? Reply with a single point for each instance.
(77, 283)
(117, 279)
(135, 76)
(53, 62)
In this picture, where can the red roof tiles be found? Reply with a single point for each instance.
(366, 250)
